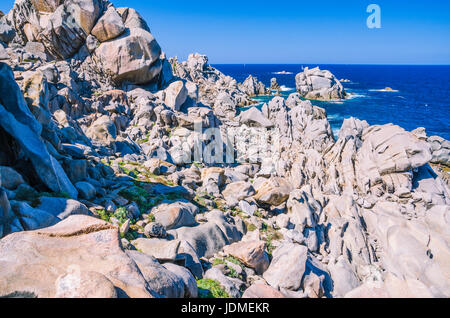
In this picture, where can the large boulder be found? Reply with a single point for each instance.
(287, 267)
(109, 26)
(224, 106)
(237, 191)
(132, 19)
(252, 87)
(317, 84)
(103, 130)
(9, 178)
(253, 117)
(440, 149)
(68, 26)
(387, 155)
(62, 208)
(7, 33)
(175, 215)
(160, 279)
(46, 6)
(17, 120)
(251, 253)
(132, 57)
(36, 94)
(259, 290)
(209, 238)
(274, 191)
(31, 262)
(175, 251)
(175, 95)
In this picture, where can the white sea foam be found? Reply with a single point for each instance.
(336, 132)
(354, 95)
(286, 89)
(383, 90)
(335, 117)
(335, 102)
(283, 73)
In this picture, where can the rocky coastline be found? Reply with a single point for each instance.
(125, 173)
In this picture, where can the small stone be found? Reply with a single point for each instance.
(154, 229)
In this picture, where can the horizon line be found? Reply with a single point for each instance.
(362, 64)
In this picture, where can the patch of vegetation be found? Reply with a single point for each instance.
(234, 260)
(272, 235)
(131, 235)
(234, 274)
(121, 214)
(131, 172)
(240, 213)
(218, 261)
(258, 214)
(151, 218)
(157, 179)
(33, 60)
(197, 164)
(250, 227)
(142, 141)
(138, 195)
(200, 199)
(103, 215)
(208, 288)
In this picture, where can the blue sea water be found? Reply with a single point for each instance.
(421, 96)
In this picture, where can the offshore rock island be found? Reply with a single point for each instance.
(126, 173)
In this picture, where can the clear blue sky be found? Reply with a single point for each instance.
(322, 31)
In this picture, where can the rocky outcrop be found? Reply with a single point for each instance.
(109, 26)
(319, 84)
(251, 253)
(19, 123)
(210, 237)
(252, 87)
(33, 261)
(67, 28)
(7, 33)
(133, 57)
(212, 84)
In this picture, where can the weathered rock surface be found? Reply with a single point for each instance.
(287, 267)
(175, 215)
(132, 57)
(175, 251)
(18, 122)
(252, 87)
(209, 238)
(109, 26)
(317, 84)
(262, 291)
(251, 253)
(68, 26)
(33, 261)
(274, 191)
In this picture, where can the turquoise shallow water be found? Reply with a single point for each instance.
(421, 96)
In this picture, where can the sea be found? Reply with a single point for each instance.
(420, 95)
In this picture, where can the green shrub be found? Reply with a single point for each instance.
(121, 214)
(208, 288)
